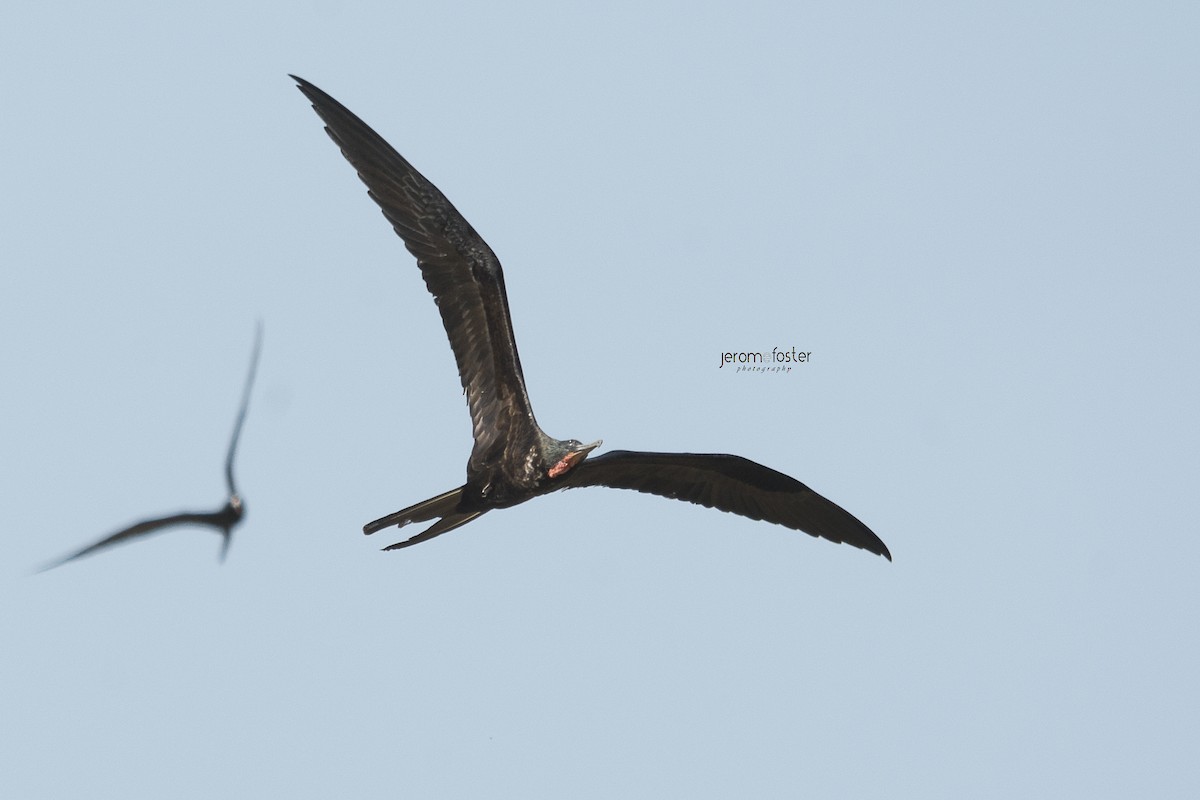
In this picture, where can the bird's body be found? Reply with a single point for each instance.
(223, 520)
(513, 460)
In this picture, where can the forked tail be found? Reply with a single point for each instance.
(444, 506)
(441, 506)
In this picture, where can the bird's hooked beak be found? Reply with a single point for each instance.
(572, 459)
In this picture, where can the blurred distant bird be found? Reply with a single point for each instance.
(223, 520)
(513, 460)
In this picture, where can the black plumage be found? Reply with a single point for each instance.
(513, 460)
(224, 519)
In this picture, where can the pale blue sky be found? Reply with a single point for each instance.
(982, 222)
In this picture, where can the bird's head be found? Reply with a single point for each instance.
(235, 509)
(568, 455)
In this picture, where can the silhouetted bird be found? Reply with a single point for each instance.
(223, 520)
(513, 460)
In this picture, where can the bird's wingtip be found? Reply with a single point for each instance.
(302, 84)
(48, 567)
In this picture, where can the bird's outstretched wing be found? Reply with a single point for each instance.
(460, 270)
(223, 520)
(728, 483)
(241, 415)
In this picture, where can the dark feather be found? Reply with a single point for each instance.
(241, 415)
(443, 525)
(460, 270)
(222, 520)
(440, 506)
(728, 483)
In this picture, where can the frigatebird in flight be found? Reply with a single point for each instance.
(513, 460)
(223, 520)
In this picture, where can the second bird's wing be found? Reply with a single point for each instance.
(147, 527)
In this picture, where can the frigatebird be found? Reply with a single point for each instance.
(513, 460)
(223, 520)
